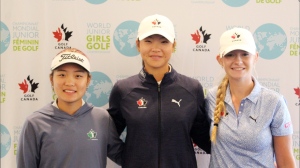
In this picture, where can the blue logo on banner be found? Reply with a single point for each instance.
(5, 140)
(270, 40)
(96, 1)
(5, 37)
(235, 3)
(99, 89)
(125, 36)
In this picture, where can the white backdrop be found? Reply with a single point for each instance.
(33, 31)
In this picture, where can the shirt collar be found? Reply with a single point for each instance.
(55, 103)
(253, 96)
(170, 70)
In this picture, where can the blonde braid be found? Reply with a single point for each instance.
(220, 107)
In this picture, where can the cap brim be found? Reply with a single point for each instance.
(162, 33)
(70, 62)
(75, 58)
(247, 48)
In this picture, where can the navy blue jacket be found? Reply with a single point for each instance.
(161, 120)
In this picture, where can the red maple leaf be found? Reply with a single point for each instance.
(24, 86)
(58, 35)
(297, 91)
(196, 37)
(140, 102)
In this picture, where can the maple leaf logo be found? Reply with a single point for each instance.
(92, 134)
(68, 34)
(235, 36)
(57, 35)
(24, 86)
(297, 92)
(141, 102)
(205, 35)
(34, 85)
(197, 37)
(156, 21)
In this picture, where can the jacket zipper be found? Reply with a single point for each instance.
(159, 125)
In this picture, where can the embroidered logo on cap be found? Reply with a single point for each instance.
(154, 22)
(235, 36)
(69, 56)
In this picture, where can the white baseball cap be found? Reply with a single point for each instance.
(71, 56)
(156, 24)
(237, 39)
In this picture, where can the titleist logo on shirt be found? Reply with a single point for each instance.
(69, 56)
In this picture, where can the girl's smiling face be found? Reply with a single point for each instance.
(69, 82)
(156, 52)
(238, 64)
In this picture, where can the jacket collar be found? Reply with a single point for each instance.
(169, 77)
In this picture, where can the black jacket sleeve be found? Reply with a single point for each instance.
(200, 131)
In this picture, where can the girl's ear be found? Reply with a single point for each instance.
(219, 59)
(88, 80)
(137, 42)
(51, 79)
(256, 58)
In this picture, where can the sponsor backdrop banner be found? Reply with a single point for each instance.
(32, 32)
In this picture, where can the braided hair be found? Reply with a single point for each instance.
(220, 107)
